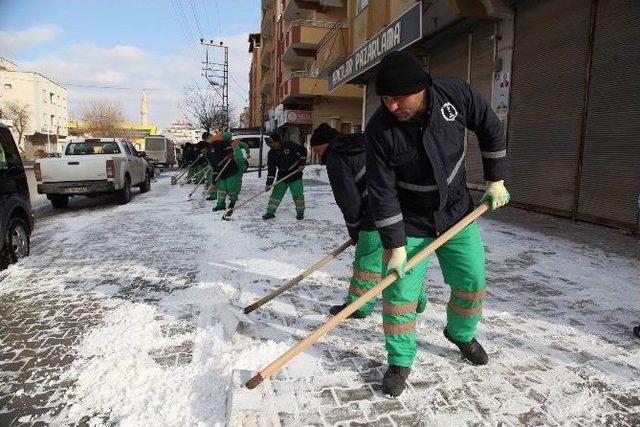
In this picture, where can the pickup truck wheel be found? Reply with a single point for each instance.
(59, 201)
(16, 242)
(146, 184)
(124, 195)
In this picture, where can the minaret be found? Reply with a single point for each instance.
(144, 110)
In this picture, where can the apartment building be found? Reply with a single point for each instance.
(296, 43)
(46, 101)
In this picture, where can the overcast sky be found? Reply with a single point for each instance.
(125, 46)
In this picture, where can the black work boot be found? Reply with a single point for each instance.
(268, 216)
(218, 208)
(338, 308)
(299, 216)
(395, 380)
(472, 350)
(232, 205)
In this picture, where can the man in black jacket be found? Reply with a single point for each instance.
(345, 159)
(285, 157)
(417, 186)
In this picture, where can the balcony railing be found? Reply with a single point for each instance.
(314, 23)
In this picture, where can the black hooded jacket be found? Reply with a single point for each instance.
(285, 160)
(345, 160)
(218, 154)
(415, 169)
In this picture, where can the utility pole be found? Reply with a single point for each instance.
(260, 156)
(217, 74)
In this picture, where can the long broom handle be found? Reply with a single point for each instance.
(181, 174)
(379, 287)
(318, 265)
(204, 175)
(262, 191)
(208, 189)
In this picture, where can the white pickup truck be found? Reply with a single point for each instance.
(92, 166)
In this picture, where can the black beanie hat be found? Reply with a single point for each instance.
(323, 134)
(205, 135)
(275, 136)
(400, 73)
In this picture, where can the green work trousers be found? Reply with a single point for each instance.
(463, 268)
(297, 191)
(367, 267)
(227, 187)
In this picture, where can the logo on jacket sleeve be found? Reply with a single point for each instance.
(449, 112)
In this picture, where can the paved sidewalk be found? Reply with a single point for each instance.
(120, 316)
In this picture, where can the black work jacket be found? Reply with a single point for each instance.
(345, 160)
(415, 169)
(286, 159)
(218, 155)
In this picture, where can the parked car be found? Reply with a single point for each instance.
(253, 141)
(92, 166)
(161, 150)
(16, 218)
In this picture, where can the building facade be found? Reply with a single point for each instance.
(181, 132)
(46, 102)
(559, 74)
(299, 40)
(255, 76)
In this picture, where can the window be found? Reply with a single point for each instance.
(44, 96)
(361, 5)
(92, 147)
(251, 142)
(133, 149)
(8, 86)
(52, 119)
(51, 97)
(126, 148)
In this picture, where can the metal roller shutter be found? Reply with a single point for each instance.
(610, 176)
(481, 80)
(450, 57)
(547, 97)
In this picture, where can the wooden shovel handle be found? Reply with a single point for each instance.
(318, 265)
(278, 364)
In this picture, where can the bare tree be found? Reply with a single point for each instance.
(102, 118)
(20, 115)
(204, 106)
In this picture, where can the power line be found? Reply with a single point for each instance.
(206, 14)
(195, 17)
(238, 84)
(218, 16)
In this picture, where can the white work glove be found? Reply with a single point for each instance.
(496, 194)
(397, 261)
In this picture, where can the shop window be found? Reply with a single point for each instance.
(8, 86)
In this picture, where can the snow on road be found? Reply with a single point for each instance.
(125, 314)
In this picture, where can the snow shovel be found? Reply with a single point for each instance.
(208, 189)
(175, 178)
(318, 265)
(279, 363)
(235, 208)
(204, 175)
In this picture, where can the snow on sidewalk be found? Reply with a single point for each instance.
(122, 315)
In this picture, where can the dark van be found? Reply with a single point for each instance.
(16, 219)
